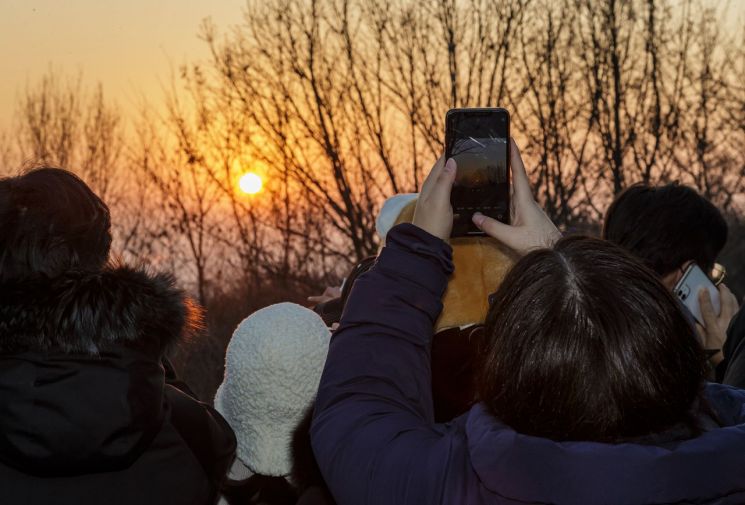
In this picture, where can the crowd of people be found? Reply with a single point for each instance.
(588, 383)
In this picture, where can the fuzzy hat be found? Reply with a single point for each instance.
(481, 263)
(273, 365)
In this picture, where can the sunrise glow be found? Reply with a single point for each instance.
(250, 183)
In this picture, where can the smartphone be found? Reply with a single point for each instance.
(479, 142)
(688, 287)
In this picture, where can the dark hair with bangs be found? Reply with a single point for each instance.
(50, 222)
(666, 226)
(584, 343)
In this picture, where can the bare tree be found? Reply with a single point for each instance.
(708, 152)
(60, 122)
(340, 103)
(284, 72)
(50, 119)
(735, 124)
(100, 159)
(268, 237)
(186, 194)
(549, 113)
(8, 159)
(330, 86)
(632, 66)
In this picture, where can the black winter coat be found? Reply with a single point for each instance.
(88, 413)
(732, 370)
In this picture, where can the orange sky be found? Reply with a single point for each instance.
(127, 45)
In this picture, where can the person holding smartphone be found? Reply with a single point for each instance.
(591, 386)
(679, 234)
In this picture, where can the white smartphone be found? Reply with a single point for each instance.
(688, 287)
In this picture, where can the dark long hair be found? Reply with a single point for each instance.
(584, 343)
(50, 222)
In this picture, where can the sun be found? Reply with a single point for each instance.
(250, 183)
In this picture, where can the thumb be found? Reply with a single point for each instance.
(707, 309)
(520, 180)
(443, 184)
(433, 175)
(496, 229)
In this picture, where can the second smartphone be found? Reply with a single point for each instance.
(478, 140)
(693, 280)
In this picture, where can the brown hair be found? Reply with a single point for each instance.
(51, 222)
(584, 343)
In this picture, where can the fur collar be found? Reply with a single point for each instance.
(89, 312)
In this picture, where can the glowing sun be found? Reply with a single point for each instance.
(250, 183)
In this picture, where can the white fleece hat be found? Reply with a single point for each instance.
(390, 211)
(273, 365)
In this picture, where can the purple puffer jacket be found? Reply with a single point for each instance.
(376, 441)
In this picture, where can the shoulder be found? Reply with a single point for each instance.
(728, 402)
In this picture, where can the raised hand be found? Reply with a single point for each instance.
(714, 329)
(433, 212)
(530, 228)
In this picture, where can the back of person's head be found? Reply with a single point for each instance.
(584, 343)
(50, 222)
(666, 226)
(273, 364)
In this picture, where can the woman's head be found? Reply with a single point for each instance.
(584, 343)
(50, 222)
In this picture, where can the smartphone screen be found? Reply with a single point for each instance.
(478, 141)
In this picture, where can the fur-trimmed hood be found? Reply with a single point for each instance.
(81, 379)
(88, 312)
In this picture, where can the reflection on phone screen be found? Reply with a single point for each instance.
(481, 161)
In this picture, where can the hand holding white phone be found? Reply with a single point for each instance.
(694, 279)
(714, 328)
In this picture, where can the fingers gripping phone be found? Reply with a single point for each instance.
(478, 140)
(688, 287)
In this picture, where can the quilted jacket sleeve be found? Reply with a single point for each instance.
(373, 433)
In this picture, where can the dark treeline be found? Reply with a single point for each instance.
(341, 103)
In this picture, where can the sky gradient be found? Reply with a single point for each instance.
(129, 46)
